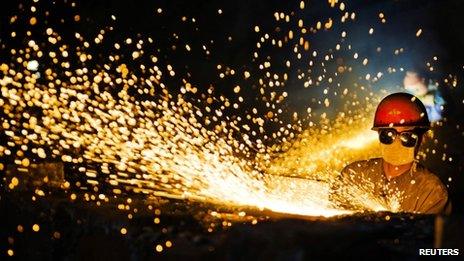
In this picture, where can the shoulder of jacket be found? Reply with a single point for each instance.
(429, 179)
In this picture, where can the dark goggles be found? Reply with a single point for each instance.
(408, 138)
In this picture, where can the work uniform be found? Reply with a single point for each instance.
(420, 191)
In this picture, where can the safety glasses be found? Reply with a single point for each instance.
(408, 138)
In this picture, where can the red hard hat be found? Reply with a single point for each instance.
(401, 110)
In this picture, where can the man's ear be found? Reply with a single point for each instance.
(422, 138)
(419, 143)
(428, 134)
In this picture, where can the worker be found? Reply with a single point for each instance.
(400, 121)
(419, 85)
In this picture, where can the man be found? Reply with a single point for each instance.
(401, 121)
(418, 85)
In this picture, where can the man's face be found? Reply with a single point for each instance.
(398, 145)
(415, 84)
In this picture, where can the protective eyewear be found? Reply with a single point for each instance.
(408, 138)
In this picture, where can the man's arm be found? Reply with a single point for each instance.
(341, 189)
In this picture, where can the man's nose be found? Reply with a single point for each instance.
(396, 141)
